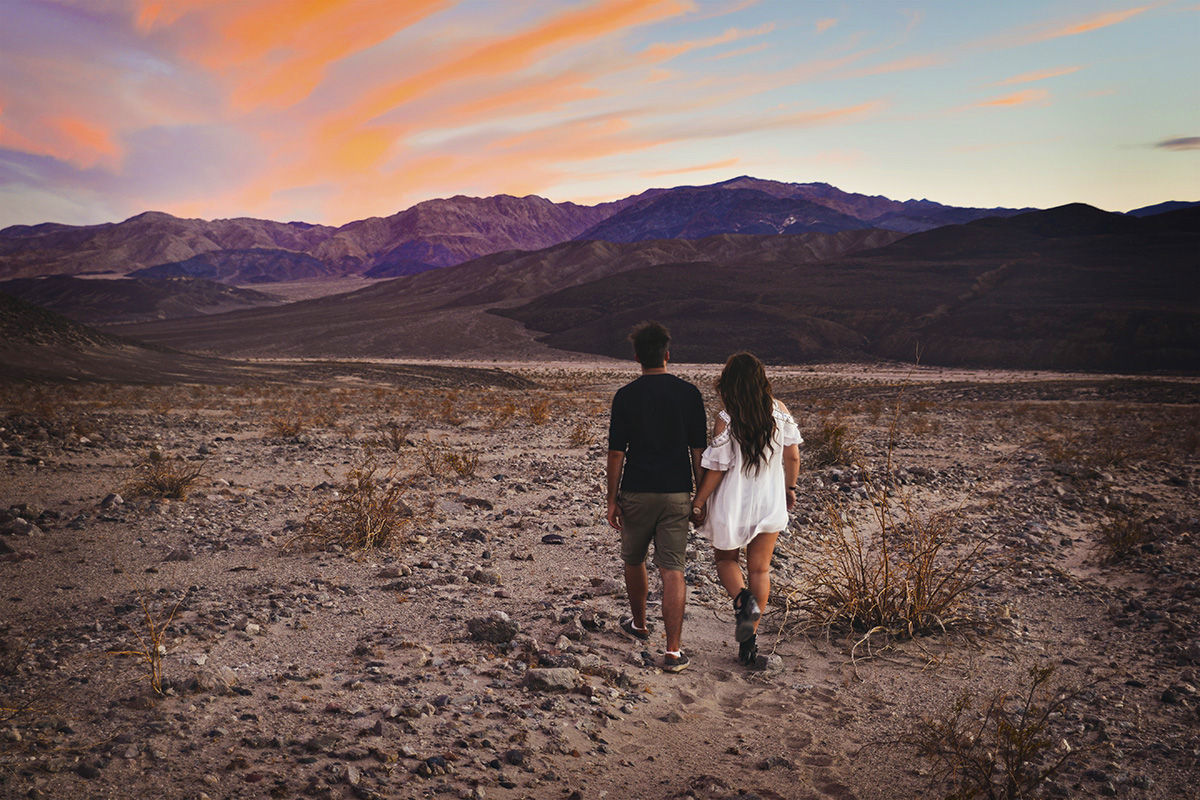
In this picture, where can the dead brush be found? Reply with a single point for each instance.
(151, 648)
(392, 435)
(832, 442)
(366, 510)
(462, 464)
(1005, 750)
(439, 460)
(288, 422)
(581, 435)
(1123, 534)
(160, 477)
(899, 573)
(538, 412)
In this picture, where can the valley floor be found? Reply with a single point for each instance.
(291, 671)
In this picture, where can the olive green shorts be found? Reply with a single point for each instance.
(656, 517)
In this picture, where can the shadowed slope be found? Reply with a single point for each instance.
(441, 313)
(1070, 288)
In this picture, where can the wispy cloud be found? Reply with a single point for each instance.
(1090, 24)
(1033, 77)
(658, 173)
(899, 65)
(1181, 143)
(1023, 98)
(825, 24)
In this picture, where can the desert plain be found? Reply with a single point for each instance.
(479, 655)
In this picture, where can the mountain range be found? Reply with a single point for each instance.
(441, 233)
(793, 272)
(1067, 288)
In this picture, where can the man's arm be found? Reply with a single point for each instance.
(616, 460)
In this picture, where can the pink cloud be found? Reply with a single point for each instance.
(1023, 98)
(1033, 77)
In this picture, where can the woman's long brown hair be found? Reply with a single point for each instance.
(746, 392)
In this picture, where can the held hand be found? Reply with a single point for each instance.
(614, 514)
(699, 515)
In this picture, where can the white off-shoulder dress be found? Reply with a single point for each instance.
(746, 504)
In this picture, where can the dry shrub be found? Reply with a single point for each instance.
(392, 435)
(158, 476)
(900, 573)
(539, 411)
(433, 457)
(1007, 749)
(832, 442)
(437, 459)
(288, 422)
(448, 411)
(366, 510)
(1123, 534)
(581, 435)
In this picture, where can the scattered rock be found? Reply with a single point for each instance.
(497, 628)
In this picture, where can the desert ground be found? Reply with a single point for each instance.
(478, 654)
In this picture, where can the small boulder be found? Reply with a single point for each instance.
(553, 679)
(497, 628)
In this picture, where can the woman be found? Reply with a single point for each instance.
(748, 487)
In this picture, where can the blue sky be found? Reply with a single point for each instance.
(334, 110)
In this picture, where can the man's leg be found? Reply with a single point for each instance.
(673, 602)
(637, 586)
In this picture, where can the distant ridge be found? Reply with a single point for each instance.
(444, 232)
(1071, 288)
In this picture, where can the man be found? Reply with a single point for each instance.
(656, 435)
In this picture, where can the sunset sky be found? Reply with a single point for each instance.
(328, 111)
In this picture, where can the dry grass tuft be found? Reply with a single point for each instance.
(1123, 534)
(581, 435)
(366, 510)
(158, 476)
(1006, 750)
(898, 573)
(901, 573)
(392, 435)
(539, 411)
(832, 442)
(151, 647)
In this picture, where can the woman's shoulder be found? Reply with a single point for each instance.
(780, 412)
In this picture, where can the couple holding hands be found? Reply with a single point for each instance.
(744, 481)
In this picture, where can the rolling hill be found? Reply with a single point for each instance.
(1068, 288)
(443, 313)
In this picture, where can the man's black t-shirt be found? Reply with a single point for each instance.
(655, 421)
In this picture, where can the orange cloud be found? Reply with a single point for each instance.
(1016, 99)
(1032, 77)
(72, 139)
(1093, 23)
(665, 52)
(515, 52)
(899, 65)
(277, 55)
(658, 173)
(825, 24)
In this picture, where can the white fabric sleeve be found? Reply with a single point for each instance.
(789, 431)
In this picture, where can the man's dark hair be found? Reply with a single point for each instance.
(650, 342)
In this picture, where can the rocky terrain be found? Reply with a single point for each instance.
(480, 656)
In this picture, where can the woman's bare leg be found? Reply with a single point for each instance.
(729, 570)
(758, 565)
